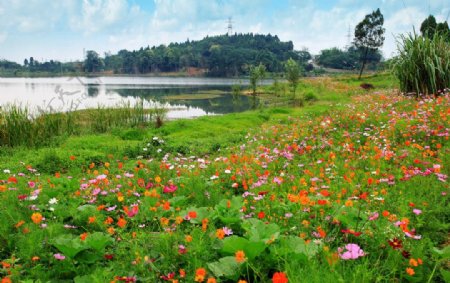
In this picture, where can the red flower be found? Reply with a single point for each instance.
(279, 277)
(350, 231)
(261, 215)
(395, 243)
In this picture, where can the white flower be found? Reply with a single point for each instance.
(53, 201)
(6, 171)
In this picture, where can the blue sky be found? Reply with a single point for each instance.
(61, 29)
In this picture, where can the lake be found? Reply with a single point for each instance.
(183, 97)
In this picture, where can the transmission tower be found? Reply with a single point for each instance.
(230, 26)
(349, 37)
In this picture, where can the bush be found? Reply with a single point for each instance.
(51, 162)
(423, 65)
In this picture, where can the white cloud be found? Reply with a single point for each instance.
(96, 15)
(112, 25)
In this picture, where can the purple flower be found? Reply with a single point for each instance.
(227, 231)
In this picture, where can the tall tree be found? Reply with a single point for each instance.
(93, 62)
(292, 72)
(369, 35)
(256, 74)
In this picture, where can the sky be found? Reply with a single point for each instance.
(62, 29)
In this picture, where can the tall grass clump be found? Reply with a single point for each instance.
(20, 127)
(423, 64)
(16, 127)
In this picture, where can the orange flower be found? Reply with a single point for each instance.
(35, 258)
(36, 217)
(91, 219)
(192, 214)
(242, 281)
(220, 234)
(211, 280)
(239, 256)
(200, 274)
(121, 222)
(182, 273)
(6, 280)
(108, 220)
(279, 277)
(188, 238)
(20, 223)
(166, 205)
(164, 221)
(158, 179)
(205, 224)
(83, 236)
(111, 230)
(410, 271)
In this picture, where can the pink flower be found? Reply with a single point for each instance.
(374, 216)
(417, 211)
(31, 184)
(353, 251)
(59, 256)
(170, 188)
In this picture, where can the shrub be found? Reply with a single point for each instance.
(423, 64)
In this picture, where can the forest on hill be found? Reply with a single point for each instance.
(221, 55)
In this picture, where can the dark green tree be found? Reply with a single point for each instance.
(93, 62)
(369, 35)
(428, 26)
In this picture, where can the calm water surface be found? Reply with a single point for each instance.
(184, 97)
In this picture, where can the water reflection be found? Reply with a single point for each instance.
(184, 97)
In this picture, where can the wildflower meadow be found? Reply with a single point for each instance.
(356, 192)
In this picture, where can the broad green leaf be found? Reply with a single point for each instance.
(295, 245)
(251, 249)
(88, 256)
(69, 245)
(259, 231)
(225, 267)
(98, 241)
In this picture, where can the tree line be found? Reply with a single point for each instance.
(221, 55)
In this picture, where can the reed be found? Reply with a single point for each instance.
(423, 64)
(18, 127)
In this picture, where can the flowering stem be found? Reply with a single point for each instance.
(432, 273)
